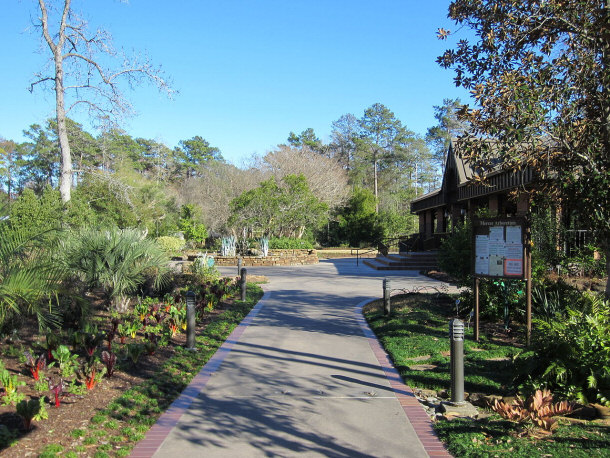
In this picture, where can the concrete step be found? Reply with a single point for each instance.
(402, 262)
(408, 259)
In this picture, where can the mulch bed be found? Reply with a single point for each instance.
(75, 411)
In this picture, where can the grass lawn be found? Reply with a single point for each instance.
(416, 338)
(417, 333)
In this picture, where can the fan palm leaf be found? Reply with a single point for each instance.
(116, 260)
(27, 277)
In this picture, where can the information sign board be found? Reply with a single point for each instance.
(498, 247)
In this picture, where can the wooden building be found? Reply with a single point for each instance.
(459, 196)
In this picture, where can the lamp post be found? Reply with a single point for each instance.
(456, 336)
(386, 296)
(190, 320)
(244, 275)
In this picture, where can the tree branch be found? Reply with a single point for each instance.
(41, 80)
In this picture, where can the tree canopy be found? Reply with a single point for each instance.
(284, 208)
(539, 72)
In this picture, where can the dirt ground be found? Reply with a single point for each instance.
(75, 411)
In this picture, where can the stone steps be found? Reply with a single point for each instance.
(404, 261)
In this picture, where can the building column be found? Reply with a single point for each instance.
(440, 220)
(429, 224)
(456, 216)
(523, 204)
(493, 205)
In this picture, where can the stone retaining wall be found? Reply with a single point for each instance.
(274, 258)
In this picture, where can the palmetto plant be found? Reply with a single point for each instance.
(27, 278)
(116, 260)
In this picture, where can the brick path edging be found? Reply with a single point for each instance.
(415, 412)
(155, 436)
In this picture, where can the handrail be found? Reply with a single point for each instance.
(384, 245)
(369, 250)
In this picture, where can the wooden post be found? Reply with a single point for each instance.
(476, 309)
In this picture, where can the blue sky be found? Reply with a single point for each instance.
(250, 71)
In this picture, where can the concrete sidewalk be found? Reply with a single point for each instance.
(302, 375)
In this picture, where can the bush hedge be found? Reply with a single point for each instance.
(285, 243)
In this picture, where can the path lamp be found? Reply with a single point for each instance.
(244, 275)
(386, 296)
(190, 320)
(239, 263)
(456, 336)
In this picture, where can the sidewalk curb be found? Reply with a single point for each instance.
(415, 413)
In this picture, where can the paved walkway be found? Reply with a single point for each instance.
(302, 376)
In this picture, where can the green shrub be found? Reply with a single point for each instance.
(550, 299)
(454, 256)
(190, 225)
(119, 261)
(571, 356)
(170, 245)
(358, 221)
(584, 262)
(285, 243)
(33, 215)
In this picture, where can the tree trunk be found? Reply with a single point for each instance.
(607, 251)
(376, 197)
(65, 174)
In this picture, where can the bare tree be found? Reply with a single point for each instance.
(82, 74)
(325, 176)
(216, 186)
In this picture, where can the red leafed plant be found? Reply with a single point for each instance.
(90, 374)
(52, 344)
(36, 366)
(114, 325)
(539, 409)
(91, 340)
(152, 342)
(173, 327)
(58, 391)
(109, 359)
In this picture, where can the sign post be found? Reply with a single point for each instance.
(501, 250)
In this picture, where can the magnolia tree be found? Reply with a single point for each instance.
(539, 71)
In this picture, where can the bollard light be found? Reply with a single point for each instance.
(244, 275)
(456, 336)
(386, 296)
(190, 320)
(239, 263)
